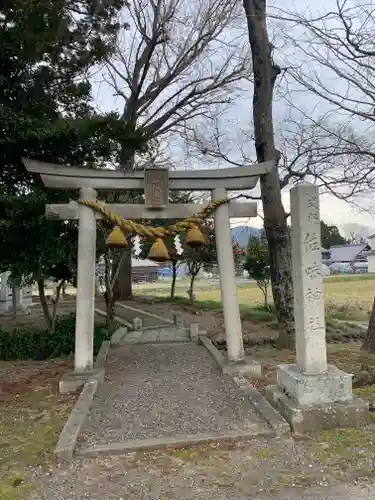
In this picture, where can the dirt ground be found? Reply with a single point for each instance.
(348, 357)
(32, 415)
(212, 321)
(34, 317)
(255, 327)
(240, 470)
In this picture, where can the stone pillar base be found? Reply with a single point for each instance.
(317, 402)
(332, 386)
(72, 381)
(248, 366)
(309, 418)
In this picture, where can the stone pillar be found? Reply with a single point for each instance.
(85, 302)
(228, 285)
(310, 381)
(311, 394)
(309, 314)
(178, 321)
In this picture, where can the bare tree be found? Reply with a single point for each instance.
(320, 147)
(265, 72)
(334, 59)
(334, 56)
(331, 57)
(314, 149)
(178, 60)
(332, 155)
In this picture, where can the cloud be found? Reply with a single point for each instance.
(332, 211)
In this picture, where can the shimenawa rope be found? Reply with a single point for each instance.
(135, 228)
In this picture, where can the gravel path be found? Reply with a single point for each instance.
(165, 390)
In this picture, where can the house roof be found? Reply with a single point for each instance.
(345, 253)
(136, 263)
(144, 263)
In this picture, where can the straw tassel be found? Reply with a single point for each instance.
(116, 238)
(158, 252)
(195, 238)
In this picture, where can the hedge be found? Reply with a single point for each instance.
(37, 344)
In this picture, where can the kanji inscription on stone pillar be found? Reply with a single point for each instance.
(307, 280)
(156, 188)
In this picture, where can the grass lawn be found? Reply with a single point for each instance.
(32, 415)
(346, 297)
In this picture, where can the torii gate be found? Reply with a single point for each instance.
(154, 182)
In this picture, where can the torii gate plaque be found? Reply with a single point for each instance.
(156, 188)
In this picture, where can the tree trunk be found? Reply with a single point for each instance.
(110, 305)
(265, 293)
(55, 301)
(191, 287)
(110, 302)
(122, 287)
(174, 276)
(44, 304)
(369, 342)
(276, 229)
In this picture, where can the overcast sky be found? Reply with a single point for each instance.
(333, 210)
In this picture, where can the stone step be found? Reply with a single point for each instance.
(162, 335)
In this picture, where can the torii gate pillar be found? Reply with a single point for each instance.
(228, 285)
(85, 300)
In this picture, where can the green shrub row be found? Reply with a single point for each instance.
(37, 344)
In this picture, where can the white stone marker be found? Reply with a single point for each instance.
(85, 301)
(23, 295)
(5, 293)
(311, 381)
(194, 332)
(228, 285)
(137, 324)
(307, 278)
(178, 321)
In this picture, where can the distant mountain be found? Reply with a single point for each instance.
(241, 234)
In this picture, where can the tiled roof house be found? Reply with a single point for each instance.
(356, 252)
